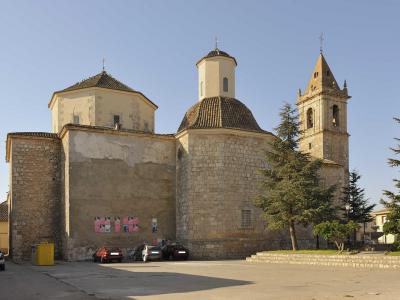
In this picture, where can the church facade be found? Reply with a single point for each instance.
(104, 177)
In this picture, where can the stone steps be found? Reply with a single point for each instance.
(355, 261)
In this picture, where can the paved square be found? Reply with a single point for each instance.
(205, 280)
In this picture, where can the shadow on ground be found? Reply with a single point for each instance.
(130, 280)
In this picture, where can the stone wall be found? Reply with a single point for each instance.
(218, 178)
(35, 193)
(117, 174)
(334, 174)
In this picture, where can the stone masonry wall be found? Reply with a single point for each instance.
(35, 194)
(218, 178)
(117, 175)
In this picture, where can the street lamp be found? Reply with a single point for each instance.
(347, 207)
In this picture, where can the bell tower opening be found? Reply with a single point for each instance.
(310, 120)
(335, 116)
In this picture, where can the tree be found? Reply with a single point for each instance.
(336, 232)
(292, 192)
(392, 203)
(356, 206)
(327, 211)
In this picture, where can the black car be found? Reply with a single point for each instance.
(2, 261)
(175, 252)
(136, 253)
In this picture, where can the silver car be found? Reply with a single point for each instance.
(151, 253)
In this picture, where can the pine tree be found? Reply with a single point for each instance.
(356, 206)
(292, 191)
(392, 203)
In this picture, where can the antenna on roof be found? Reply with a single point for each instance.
(216, 42)
(321, 42)
(104, 67)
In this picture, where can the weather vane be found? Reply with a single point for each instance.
(321, 42)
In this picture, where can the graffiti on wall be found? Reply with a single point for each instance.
(129, 224)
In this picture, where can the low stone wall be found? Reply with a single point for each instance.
(355, 261)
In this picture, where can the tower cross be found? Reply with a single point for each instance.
(321, 42)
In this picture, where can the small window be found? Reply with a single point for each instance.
(146, 126)
(309, 146)
(328, 73)
(310, 118)
(116, 119)
(335, 116)
(76, 119)
(201, 88)
(179, 153)
(225, 84)
(246, 218)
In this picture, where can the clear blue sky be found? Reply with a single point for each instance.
(152, 46)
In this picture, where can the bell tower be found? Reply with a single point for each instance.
(323, 116)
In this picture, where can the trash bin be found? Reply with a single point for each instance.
(43, 254)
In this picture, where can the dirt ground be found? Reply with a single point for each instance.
(196, 280)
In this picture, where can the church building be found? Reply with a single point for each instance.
(104, 177)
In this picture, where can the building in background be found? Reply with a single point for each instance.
(380, 218)
(4, 227)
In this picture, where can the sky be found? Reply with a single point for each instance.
(152, 46)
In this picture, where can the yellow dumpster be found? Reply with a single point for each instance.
(43, 254)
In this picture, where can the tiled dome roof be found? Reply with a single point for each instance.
(219, 112)
(217, 52)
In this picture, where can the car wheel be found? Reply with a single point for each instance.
(2, 267)
(119, 260)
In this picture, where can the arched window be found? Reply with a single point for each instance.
(335, 116)
(225, 84)
(310, 118)
(201, 88)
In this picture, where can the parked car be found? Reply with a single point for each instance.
(105, 254)
(175, 252)
(136, 253)
(151, 253)
(145, 253)
(2, 261)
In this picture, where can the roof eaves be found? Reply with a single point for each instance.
(95, 87)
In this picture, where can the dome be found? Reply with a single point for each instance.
(219, 112)
(217, 52)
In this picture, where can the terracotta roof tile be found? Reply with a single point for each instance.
(217, 52)
(102, 80)
(34, 134)
(219, 112)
